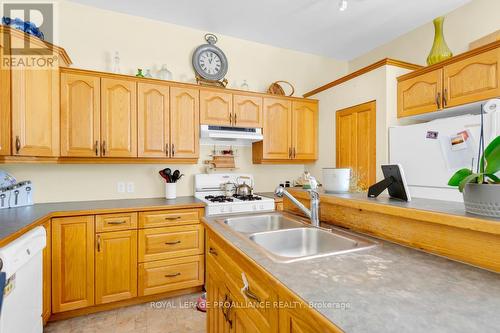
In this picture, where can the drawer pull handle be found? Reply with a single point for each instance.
(117, 222)
(172, 275)
(246, 289)
(212, 251)
(172, 218)
(173, 243)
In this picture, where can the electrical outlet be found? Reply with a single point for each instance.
(120, 187)
(130, 187)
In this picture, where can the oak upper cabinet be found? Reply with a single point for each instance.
(80, 115)
(420, 94)
(216, 108)
(72, 263)
(184, 122)
(115, 266)
(35, 111)
(473, 79)
(153, 120)
(304, 130)
(277, 142)
(247, 110)
(4, 104)
(118, 118)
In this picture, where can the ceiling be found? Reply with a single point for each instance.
(312, 26)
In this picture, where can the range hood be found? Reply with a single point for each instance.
(210, 134)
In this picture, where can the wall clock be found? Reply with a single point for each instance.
(210, 63)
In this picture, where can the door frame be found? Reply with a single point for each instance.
(370, 106)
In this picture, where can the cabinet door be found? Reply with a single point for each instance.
(72, 263)
(421, 94)
(355, 142)
(80, 115)
(184, 122)
(277, 129)
(4, 105)
(217, 295)
(47, 281)
(304, 130)
(35, 112)
(247, 111)
(473, 79)
(215, 108)
(118, 118)
(153, 118)
(115, 266)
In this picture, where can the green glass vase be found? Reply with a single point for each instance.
(440, 50)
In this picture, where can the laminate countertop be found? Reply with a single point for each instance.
(389, 288)
(16, 221)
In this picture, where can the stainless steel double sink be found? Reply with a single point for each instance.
(286, 239)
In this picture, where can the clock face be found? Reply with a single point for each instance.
(210, 62)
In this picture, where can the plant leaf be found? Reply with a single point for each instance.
(459, 176)
(492, 156)
(469, 179)
(493, 177)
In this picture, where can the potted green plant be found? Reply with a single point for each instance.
(481, 189)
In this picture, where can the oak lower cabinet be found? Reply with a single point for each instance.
(118, 117)
(290, 130)
(263, 306)
(80, 115)
(47, 274)
(72, 263)
(115, 266)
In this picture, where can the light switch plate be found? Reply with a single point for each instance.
(130, 187)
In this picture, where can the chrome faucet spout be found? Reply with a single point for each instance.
(313, 213)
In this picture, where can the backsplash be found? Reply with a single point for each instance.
(82, 182)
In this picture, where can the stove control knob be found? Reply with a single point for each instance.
(230, 209)
(254, 207)
(261, 206)
(222, 209)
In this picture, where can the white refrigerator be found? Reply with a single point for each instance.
(430, 152)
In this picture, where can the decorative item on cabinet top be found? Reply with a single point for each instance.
(440, 50)
(276, 89)
(210, 63)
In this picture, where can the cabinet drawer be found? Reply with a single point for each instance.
(170, 242)
(115, 222)
(166, 218)
(173, 274)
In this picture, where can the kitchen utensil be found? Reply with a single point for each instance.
(243, 189)
(228, 188)
(168, 173)
(164, 176)
(175, 176)
(336, 179)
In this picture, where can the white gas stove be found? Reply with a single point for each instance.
(208, 188)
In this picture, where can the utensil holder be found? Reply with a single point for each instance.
(170, 190)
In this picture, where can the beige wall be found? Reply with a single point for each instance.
(91, 36)
(379, 85)
(462, 26)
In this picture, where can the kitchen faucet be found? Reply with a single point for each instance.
(313, 213)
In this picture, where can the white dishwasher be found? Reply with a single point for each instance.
(22, 301)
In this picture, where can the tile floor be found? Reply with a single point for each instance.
(170, 315)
